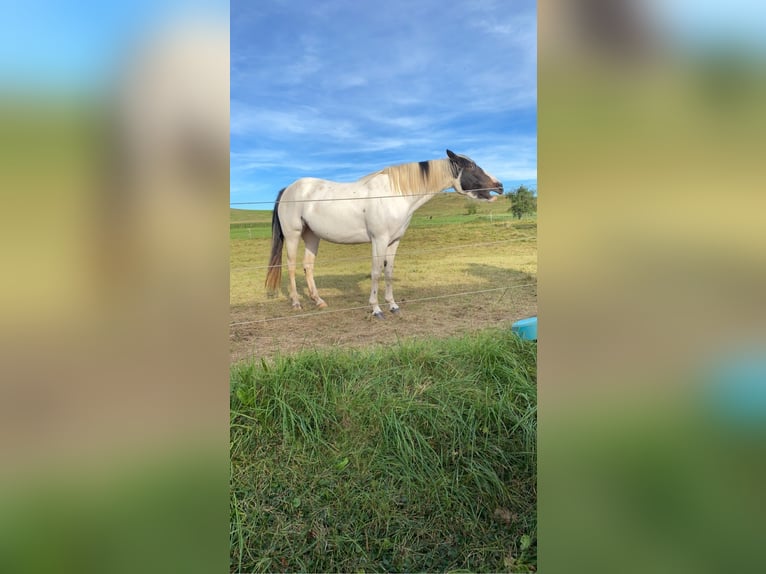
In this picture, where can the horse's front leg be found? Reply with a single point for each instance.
(388, 270)
(378, 256)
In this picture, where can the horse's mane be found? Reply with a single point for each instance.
(418, 177)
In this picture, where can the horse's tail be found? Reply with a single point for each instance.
(274, 275)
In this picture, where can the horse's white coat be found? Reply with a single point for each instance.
(375, 209)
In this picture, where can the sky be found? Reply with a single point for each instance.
(341, 88)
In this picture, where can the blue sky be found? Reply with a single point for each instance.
(340, 88)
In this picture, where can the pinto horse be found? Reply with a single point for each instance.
(374, 209)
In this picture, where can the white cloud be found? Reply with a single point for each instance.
(287, 123)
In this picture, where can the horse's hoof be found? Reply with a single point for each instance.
(379, 315)
(321, 305)
(297, 307)
(395, 311)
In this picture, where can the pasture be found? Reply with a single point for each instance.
(380, 446)
(416, 457)
(444, 253)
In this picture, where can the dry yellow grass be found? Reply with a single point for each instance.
(445, 252)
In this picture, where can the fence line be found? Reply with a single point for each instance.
(403, 302)
(349, 198)
(398, 256)
(251, 223)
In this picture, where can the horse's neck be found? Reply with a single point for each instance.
(420, 200)
(443, 178)
(421, 178)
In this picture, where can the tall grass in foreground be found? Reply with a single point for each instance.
(420, 457)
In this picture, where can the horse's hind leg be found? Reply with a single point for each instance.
(291, 247)
(312, 246)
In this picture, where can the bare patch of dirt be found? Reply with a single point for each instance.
(265, 329)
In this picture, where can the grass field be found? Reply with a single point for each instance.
(444, 252)
(382, 446)
(415, 457)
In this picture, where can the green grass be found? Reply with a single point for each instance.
(449, 204)
(419, 457)
(249, 224)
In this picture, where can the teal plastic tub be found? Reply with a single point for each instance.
(526, 328)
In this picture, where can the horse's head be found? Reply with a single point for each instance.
(471, 180)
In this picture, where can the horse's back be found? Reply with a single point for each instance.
(335, 211)
(306, 189)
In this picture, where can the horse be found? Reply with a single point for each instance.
(376, 208)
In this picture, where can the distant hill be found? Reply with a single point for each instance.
(446, 204)
(442, 205)
(249, 215)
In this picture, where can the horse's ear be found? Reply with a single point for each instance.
(459, 160)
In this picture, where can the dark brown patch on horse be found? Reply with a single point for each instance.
(472, 177)
(472, 181)
(424, 169)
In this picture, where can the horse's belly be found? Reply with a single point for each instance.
(339, 230)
